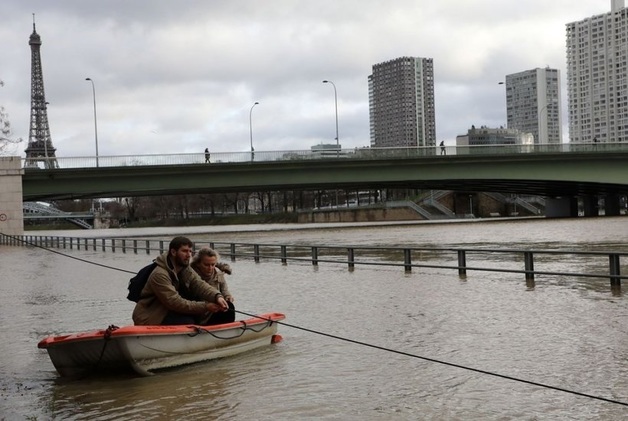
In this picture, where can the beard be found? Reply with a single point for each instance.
(181, 262)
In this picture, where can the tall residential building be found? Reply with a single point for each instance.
(401, 103)
(533, 104)
(597, 76)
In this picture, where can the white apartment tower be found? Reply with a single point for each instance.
(533, 104)
(597, 76)
(401, 103)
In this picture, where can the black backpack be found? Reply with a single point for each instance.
(136, 283)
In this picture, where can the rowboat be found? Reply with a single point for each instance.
(146, 349)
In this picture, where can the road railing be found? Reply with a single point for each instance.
(365, 153)
(564, 265)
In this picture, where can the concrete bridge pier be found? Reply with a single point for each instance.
(611, 204)
(100, 222)
(589, 205)
(561, 207)
(11, 213)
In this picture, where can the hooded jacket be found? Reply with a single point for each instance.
(165, 291)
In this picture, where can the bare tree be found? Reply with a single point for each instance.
(8, 144)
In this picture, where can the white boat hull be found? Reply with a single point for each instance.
(145, 349)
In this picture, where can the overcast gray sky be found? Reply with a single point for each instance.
(180, 76)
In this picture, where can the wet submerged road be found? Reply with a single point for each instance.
(566, 333)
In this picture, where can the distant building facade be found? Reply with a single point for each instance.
(401, 103)
(597, 81)
(533, 104)
(485, 136)
(326, 149)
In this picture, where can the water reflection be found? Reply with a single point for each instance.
(189, 393)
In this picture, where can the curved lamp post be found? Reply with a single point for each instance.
(336, 105)
(251, 129)
(47, 164)
(544, 112)
(504, 83)
(337, 137)
(95, 119)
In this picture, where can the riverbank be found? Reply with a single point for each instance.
(260, 227)
(218, 220)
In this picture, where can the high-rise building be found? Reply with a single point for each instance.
(533, 104)
(597, 76)
(401, 103)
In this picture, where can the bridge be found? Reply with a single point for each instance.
(550, 170)
(569, 176)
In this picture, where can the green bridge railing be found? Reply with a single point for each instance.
(365, 153)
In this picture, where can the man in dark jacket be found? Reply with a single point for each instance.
(174, 293)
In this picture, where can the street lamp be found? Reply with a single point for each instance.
(251, 129)
(95, 119)
(336, 105)
(471, 204)
(337, 137)
(547, 123)
(47, 165)
(507, 126)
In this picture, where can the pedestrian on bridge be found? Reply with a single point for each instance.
(443, 151)
(207, 155)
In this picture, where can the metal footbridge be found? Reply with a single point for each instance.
(35, 210)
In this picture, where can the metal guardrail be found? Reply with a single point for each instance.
(608, 263)
(366, 153)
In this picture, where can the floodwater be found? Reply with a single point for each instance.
(425, 345)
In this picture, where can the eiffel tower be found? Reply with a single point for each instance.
(40, 147)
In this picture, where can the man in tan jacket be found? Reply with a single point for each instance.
(174, 293)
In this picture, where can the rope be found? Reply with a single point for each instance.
(353, 341)
(106, 338)
(406, 354)
(199, 330)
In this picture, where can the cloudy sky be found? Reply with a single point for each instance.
(179, 76)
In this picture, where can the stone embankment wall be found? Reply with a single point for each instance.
(463, 205)
(11, 213)
(359, 215)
